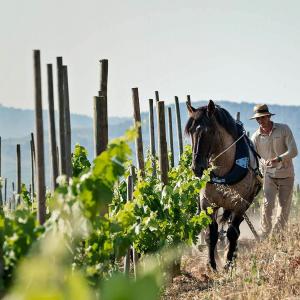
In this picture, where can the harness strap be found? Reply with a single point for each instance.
(241, 162)
(257, 158)
(228, 147)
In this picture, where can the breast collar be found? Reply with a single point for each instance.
(240, 167)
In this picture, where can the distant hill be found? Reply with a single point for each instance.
(17, 124)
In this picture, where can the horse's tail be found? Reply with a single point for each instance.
(226, 215)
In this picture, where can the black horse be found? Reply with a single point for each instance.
(220, 142)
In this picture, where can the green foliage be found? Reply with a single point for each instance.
(122, 288)
(167, 214)
(105, 238)
(75, 208)
(47, 274)
(80, 162)
(95, 189)
(96, 225)
(25, 195)
(18, 232)
(1, 182)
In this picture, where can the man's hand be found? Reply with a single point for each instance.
(272, 161)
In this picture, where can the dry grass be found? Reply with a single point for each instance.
(266, 270)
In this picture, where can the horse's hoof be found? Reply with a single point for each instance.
(211, 267)
(228, 266)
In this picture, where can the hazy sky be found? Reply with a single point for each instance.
(235, 50)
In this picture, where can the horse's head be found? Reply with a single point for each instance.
(203, 127)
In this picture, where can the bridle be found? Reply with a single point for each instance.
(196, 153)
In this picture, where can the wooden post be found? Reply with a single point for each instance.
(29, 189)
(103, 76)
(156, 101)
(238, 116)
(134, 254)
(0, 156)
(13, 199)
(152, 136)
(171, 136)
(97, 128)
(133, 174)
(33, 165)
(33, 144)
(129, 198)
(52, 132)
(19, 181)
(1, 199)
(163, 163)
(103, 93)
(1, 208)
(67, 123)
(156, 96)
(162, 142)
(139, 139)
(100, 125)
(40, 164)
(5, 191)
(179, 130)
(61, 113)
(57, 151)
(188, 99)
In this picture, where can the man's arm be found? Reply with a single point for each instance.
(292, 150)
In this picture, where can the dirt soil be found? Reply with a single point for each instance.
(263, 270)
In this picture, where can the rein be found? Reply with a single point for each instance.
(224, 151)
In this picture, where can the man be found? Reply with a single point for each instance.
(275, 144)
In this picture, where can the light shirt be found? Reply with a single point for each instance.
(279, 142)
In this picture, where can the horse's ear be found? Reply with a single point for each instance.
(211, 108)
(191, 110)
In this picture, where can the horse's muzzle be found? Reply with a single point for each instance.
(198, 172)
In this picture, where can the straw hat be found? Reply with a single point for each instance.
(261, 110)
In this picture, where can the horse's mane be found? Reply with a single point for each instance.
(222, 116)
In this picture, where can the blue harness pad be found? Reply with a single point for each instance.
(240, 167)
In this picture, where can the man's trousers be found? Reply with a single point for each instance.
(283, 187)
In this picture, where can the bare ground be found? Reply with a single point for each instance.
(265, 270)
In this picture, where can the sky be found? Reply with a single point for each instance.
(242, 51)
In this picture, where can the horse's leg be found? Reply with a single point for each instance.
(212, 233)
(233, 234)
(211, 241)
